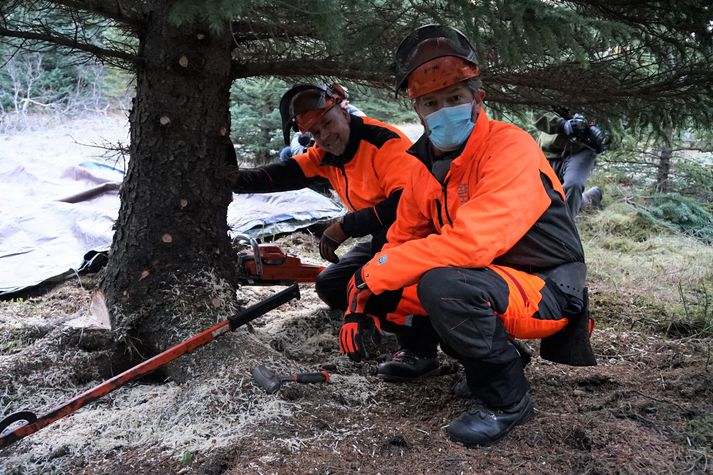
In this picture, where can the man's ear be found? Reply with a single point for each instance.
(477, 104)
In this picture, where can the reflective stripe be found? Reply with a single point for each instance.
(523, 302)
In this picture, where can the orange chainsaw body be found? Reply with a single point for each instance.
(276, 267)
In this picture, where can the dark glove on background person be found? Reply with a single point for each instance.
(332, 237)
(232, 174)
(576, 127)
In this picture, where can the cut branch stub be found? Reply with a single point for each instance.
(183, 61)
(223, 131)
(164, 120)
(183, 203)
(167, 238)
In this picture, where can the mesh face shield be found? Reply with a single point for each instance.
(427, 43)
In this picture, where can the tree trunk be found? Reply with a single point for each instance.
(171, 268)
(663, 168)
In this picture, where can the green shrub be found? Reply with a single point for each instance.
(683, 214)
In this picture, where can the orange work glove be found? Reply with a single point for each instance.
(356, 329)
(357, 326)
(332, 237)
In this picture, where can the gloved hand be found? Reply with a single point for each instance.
(576, 127)
(332, 237)
(357, 324)
(597, 139)
(358, 294)
(356, 329)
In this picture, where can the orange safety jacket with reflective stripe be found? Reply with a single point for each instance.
(377, 163)
(368, 176)
(493, 208)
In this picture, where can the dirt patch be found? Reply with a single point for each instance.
(646, 407)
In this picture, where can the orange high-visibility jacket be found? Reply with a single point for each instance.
(368, 176)
(496, 206)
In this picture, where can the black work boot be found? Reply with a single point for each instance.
(461, 388)
(406, 366)
(483, 426)
(592, 198)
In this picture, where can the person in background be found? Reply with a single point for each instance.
(299, 144)
(571, 144)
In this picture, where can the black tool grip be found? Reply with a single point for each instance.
(309, 378)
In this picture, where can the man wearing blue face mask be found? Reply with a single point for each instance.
(485, 239)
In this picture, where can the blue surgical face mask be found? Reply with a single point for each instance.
(450, 127)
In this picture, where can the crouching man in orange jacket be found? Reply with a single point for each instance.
(364, 160)
(484, 235)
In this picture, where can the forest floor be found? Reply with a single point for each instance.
(646, 408)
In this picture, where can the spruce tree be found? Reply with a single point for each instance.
(644, 64)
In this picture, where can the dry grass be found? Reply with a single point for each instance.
(667, 274)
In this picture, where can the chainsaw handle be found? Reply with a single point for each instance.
(256, 251)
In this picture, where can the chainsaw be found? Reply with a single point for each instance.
(273, 266)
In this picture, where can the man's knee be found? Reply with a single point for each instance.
(331, 288)
(451, 285)
(428, 286)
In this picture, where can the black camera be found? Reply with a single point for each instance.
(597, 139)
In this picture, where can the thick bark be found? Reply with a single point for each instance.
(171, 267)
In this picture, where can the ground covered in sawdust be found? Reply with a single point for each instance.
(645, 409)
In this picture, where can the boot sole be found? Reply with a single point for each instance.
(405, 379)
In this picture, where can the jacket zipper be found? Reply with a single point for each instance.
(346, 186)
(438, 212)
(445, 200)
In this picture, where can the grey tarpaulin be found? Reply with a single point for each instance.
(51, 216)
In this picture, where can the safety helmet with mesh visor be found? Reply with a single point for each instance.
(434, 57)
(303, 105)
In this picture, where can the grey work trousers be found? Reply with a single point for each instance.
(573, 170)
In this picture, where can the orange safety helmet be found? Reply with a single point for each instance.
(434, 57)
(304, 104)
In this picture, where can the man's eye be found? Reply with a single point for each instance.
(455, 98)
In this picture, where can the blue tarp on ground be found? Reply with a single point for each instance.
(50, 217)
